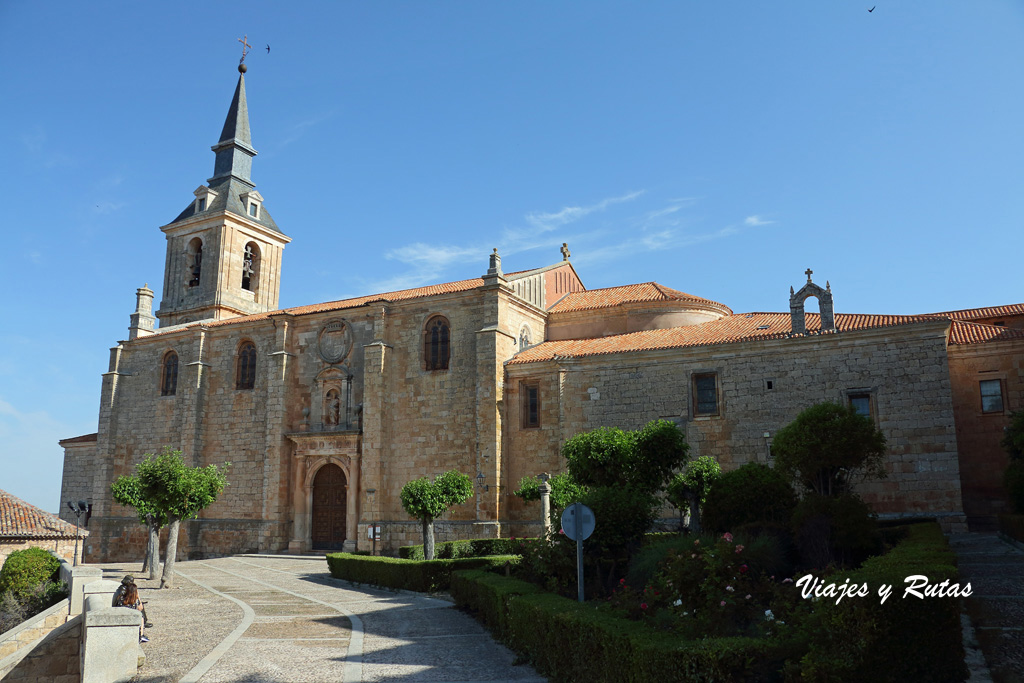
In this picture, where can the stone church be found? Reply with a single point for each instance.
(325, 411)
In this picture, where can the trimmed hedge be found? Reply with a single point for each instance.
(858, 640)
(905, 639)
(567, 641)
(415, 575)
(1012, 526)
(475, 547)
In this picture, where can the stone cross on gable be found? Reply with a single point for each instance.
(245, 47)
(565, 251)
(808, 274)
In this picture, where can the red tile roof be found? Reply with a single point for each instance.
(962, 333)
(18, 519)
(614, 296)
(982, 313)
(728, 330)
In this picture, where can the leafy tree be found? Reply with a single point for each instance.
(1013, 440)
(643, 459)
(564, 491)
(178, 491)
(125, 490)
(827, 447)
(426, 500)
(688, 489)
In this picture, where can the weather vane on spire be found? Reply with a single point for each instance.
(245, 50)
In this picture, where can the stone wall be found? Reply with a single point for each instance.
(905, 373)
(982, 459)
(44, 649)
(61, 547)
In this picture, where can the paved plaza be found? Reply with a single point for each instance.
(282, 618)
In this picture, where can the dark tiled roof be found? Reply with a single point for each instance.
(614, 296)
(18, 519)
(728, 330)
(229, 191)
(85, 438)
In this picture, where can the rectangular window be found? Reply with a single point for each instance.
(705, 394)
(202, 203)
(531, 405)
(861, 403)
(991, 395)
(254, 209)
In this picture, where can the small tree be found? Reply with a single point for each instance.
(643, 460)
(564, 492)
(178, 491)
(688, 489)
(125, 490)
(829, 446)
(426, 501)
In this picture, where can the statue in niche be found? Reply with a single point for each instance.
(332, 408)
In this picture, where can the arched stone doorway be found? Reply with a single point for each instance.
(330, 507)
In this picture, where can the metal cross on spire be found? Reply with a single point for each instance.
(808, 274)
(245, 47)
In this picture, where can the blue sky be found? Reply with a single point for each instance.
(720, 148)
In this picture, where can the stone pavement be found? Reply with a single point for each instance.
(282, 618)
(995, 570)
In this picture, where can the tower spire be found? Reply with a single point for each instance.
(234, 150)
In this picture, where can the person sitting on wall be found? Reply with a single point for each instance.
(130, 598)
(119, 596)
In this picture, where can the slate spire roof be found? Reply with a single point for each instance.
(232, 167)
(18, 519)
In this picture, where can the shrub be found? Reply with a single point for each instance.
(902, 639)
(25, 569)
(1014, 481)
(688, 489)
(835, 530)
(476, 547)
(424, 576)
(752, 493)
(827, 447)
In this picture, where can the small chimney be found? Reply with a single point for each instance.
(142, 320)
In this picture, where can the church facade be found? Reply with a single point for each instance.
(325, 411)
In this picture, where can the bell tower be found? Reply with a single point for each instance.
(224, 250)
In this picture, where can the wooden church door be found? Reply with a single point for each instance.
(329, 508)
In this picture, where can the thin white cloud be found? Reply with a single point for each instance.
(756, 220)
(545, 222)
(108, 207)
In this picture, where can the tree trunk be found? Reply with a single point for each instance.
(145, 558)
(167, 580)
(694, 513)
(153, 548)
(428, 539)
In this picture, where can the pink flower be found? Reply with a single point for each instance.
(622, 582)
(727, 536)
(739, 549)
(787, 581)
(643, 605)
(730, 589)
(561, 531)
(722, 604)
(743, 569)
(748, 596)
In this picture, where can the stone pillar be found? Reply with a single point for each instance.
(76, 579)
(300, 530)
(545, 503)
(110, 642)
(276, 446)
(142, 320)
(352, 513)
(374, 441)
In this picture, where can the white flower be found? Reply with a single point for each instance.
(730, 589)
(678, 603)
(768, 615)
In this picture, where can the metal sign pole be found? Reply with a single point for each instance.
(579, 551)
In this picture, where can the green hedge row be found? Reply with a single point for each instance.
(475, 547)
(1012, 526)
(414, 575)
(861, 639)
(904, 639)
(567, 641)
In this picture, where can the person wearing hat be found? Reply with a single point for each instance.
(121, 593)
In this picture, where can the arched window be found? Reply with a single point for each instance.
(436, 344)
(169, 374)
(251, 267)
(195, 250)
(332, 407)
(524, 337)
(245, 376)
